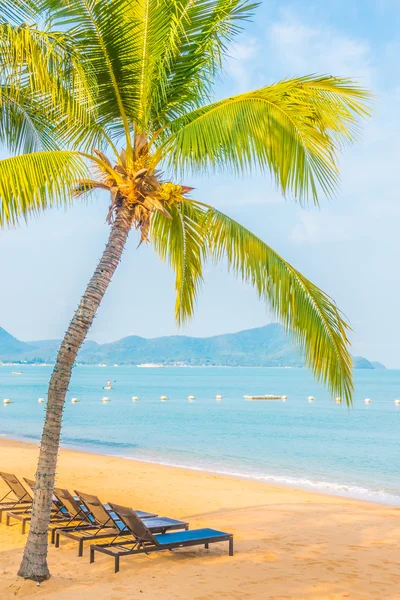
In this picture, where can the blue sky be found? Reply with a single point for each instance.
(350, 246)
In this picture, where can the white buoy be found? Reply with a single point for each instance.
(338, 400)
(105, 399)
(134, 398)
(367, 401)
(40, 400)
(163, 398)
(6, 401)
(191, 397)
(74, 400)
(218, 397)
(311, 398)
(397, 402)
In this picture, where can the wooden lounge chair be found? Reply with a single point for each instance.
(142, 540)
(20, 497)
(105, 523)
(58, 512)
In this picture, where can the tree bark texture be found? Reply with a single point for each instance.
(34, 563)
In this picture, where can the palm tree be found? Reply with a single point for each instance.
(115, 95)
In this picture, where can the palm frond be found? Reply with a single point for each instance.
(153, 59)
(195, 36)
(311, 317)
(17, 11)
(106, 34)
(24, 126)
(294, 128)
(44, 80)
(31, 183)
(180, 240)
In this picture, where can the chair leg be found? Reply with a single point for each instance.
(80, 548)
(116, 566)
(206, 546)
(8, 520)
(52, 537)
(231, 546)
(23, 526)
(57, 544)
(91, 555)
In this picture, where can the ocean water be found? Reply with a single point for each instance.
(322, 446)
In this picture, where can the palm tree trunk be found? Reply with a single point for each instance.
(34, 562)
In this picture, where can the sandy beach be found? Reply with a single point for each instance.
(289, 543)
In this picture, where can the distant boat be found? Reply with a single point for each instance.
(108, 385)
(16, 373)
(265, 397)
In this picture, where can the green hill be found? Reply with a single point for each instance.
(267, 346)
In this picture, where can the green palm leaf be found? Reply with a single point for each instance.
(310, 316)
(195, 36)
(45, 89)
(17, 11)
(294, 128)
(31, 183)
(24, 126)
(152, 59)
(107, 35)
(180, 240)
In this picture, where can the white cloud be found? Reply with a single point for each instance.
(304, 49)
(239, 64)
(322, 228)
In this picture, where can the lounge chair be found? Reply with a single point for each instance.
(107, 525)
(79, 517)
(20, 499)
(142, 539)
(58, 512)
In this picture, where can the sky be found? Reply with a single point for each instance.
(350, 246)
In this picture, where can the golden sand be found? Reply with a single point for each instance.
(289, 543)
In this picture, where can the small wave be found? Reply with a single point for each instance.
(77, 442)
(380, 496)
(96, 442)
(338, 489)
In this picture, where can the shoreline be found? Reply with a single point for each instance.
(340, 490)
(289, 543)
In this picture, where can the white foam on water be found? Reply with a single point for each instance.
(379, 496)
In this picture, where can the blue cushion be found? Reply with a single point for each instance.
(165, 539)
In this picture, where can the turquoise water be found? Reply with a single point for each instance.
(321, 446)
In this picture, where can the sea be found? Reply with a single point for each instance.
(317, 445)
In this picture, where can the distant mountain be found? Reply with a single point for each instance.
(267, 346)
(10, 346)
(377, 365)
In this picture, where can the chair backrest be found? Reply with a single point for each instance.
(31, 484)
(67, 500)
(95, 508)
(134, 523)
(16, 486)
